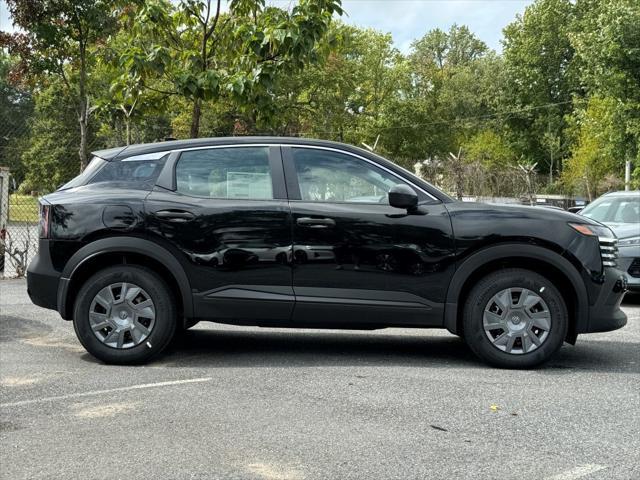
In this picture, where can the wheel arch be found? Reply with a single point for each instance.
(123, 250)
(541, 260)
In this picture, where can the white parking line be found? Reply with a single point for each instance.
(578, 472)
(101, 392)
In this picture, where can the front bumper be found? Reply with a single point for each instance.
(605, 313)
(43, 280)
(626, 256)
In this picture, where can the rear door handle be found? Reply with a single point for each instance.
(177, 216)
(316, 222)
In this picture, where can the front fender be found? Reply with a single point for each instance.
(494, 253)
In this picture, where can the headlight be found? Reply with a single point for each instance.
(629, 242)
(599, 231)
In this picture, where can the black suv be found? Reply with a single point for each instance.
(284, 232)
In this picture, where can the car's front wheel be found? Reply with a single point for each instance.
(125, 315)
(515, 318)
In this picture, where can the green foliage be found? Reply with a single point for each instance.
(16, 106)
(490, 149)
(449, 85)
(597, 150)
(539, 66)
(127, 111)
(345, 96)
(57, 38)
(50, 158)
(607, 45)
(195, 51)
(23, 208)
(564, 95)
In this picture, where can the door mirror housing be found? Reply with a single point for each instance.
(403, 196)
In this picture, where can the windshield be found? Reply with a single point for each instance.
(95, 164)
(614, 210)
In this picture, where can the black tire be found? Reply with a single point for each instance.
(165, 320)
(480, 295)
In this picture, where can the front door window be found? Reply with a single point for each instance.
(327, 176)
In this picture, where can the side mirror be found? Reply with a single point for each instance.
(575, 209)
(403, 196)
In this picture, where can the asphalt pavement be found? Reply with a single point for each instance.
(251, 403)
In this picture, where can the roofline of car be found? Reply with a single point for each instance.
(119, 153)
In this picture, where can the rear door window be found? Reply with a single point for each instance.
(231, 173)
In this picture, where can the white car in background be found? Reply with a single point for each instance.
(620, 211)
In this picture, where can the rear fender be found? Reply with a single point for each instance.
(124, 245)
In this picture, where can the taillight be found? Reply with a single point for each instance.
(44, 220)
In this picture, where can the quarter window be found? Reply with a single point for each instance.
(135, 174)
(241, 172)
(328, 176)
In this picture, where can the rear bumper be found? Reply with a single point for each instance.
(605, 313)
(43, 280)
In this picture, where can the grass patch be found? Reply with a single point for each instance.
(23, 208)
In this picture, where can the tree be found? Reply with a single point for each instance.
(599, 137)
(200, 53)
(345, 96)
(606, 40)
(16, 107)
(52, 140)
(538, 59)
(124, 106)
(447, 50)
(452, 81)
(458, 167)
(56, 39)
(492, 151)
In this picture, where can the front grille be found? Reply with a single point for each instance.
(608, 251)
(634, 268)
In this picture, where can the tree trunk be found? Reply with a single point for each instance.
(83, 117)
(532, 201)
(127, 125)
(589, 196)
(195, 118)
(83, 120)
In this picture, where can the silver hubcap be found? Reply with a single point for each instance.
(122, 315)
(517, 320)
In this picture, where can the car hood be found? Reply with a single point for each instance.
(495, 210)
(624, 230)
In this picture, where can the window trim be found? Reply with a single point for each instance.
(286, 185)
(293, 187)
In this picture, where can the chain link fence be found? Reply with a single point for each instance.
(19, 232)
(39, 153)
(18, 213)
(23, 179)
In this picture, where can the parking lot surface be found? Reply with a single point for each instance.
(253, 403)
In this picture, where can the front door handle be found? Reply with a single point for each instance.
(316, 222)
(177, 216)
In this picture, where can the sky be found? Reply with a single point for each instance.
(408, 20)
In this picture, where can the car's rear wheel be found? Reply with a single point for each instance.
(515, 318)
(125, 315)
